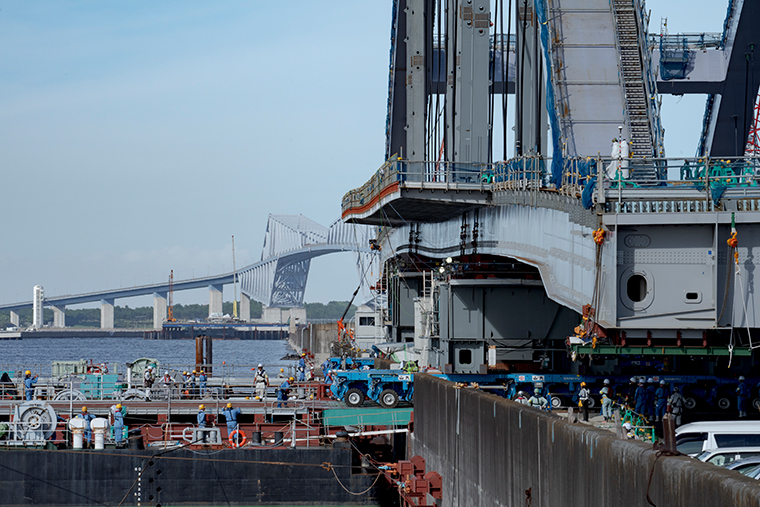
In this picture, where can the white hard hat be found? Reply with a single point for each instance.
(260, 365)
(166, 373)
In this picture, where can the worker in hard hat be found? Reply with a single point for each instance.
(641, 398)
(537, 401)
(231, 415)
(117, 423)
(149, 377)
(282, 391)
(742, 394)
(88, 417)
(661, 396)
(192, 383)
(606, 393)
(201, 417)
(583, 400)
(260, 382)
(651, 389)
(302, 368)
(202, 382)
(281, 373)
(29, 382)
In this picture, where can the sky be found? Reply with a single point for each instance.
(137, 137)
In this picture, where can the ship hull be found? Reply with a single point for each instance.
(310, 476)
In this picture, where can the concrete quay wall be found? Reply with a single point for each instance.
(315, 337)
(494, 452)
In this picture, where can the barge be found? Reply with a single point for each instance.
(306, 450)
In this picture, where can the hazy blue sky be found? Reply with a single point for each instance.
(137, 137)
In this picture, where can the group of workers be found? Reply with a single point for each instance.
(116, 415)
(230, 414)
(535, 401)
(650, 401)
(647, 398)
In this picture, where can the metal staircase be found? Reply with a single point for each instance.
(633, 71)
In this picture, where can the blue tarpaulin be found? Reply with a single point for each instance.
(587, 197)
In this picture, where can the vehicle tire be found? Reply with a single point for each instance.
(556, 402)
(724, 403)
(389, 398)
(354, 398)
(690, 403)
(756, 403)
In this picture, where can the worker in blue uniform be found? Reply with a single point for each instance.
(661, 396)
(630, 395)
(193, 384)
(302, 368)
(201, 420)
(29, 382)
(282, 391)
(650, 398)
(117, 416)
(231, 415)
(742, 393)
(88, 417)
(640, 397)
(202, 382)
(201, 417)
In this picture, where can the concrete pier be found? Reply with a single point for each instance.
(159, 309)
(271, 314)
(245, 308)
(106, 313)
(215, 300)
(59, 316)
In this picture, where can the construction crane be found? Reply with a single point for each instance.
(170, 299)
(234, 281)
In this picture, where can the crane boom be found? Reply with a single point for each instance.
(170, 299)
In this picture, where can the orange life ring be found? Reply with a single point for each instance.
(242, 441)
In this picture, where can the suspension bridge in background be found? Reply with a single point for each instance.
(277, 280)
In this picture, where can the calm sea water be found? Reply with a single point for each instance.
(42, 351)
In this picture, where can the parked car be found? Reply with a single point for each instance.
(727, 455)
(753, 473)
(744, 465)
(696, 437)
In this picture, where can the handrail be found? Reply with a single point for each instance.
(676, 176)
(398, 172)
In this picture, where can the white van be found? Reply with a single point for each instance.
(696, 437)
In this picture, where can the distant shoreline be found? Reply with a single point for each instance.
(73, 333)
